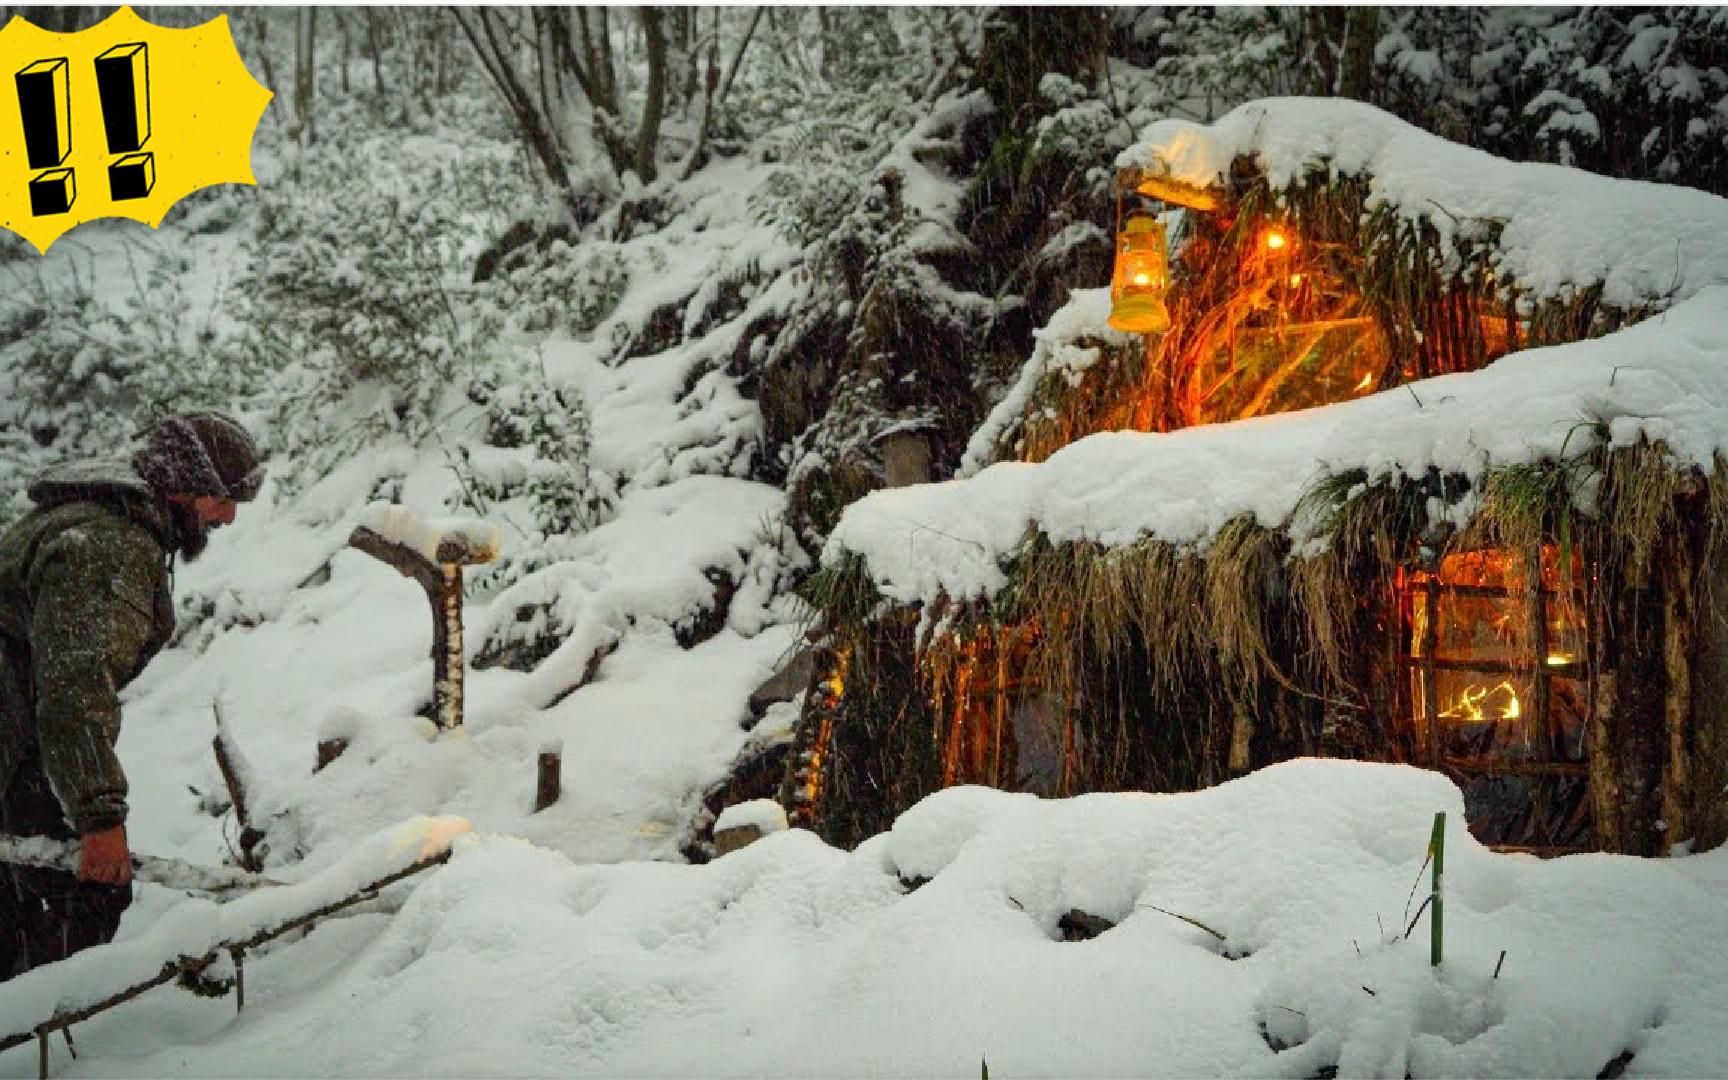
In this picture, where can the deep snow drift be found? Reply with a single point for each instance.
(790, 958)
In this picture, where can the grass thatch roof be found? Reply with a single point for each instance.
(1192, 585)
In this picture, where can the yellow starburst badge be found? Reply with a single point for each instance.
(124, 119)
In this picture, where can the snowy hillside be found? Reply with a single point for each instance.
(664, 391)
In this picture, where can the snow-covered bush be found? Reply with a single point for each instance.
(79, 371)
(551, 430)
(567, 289)
(1628, 92)
(353, 300)
(806, 201)
(1204, 61)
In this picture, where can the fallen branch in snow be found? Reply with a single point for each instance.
(50, 854)
(194, 964)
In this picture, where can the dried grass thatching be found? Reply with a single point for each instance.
(1427, 306)
(1173, 667)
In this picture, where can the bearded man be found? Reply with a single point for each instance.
(85, 603)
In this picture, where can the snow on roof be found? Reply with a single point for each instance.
(1562, 228)
(1663, 379)
(1057, 348)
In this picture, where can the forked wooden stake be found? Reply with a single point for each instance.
(433, 557)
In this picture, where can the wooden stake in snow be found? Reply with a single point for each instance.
(1436, 907)
(338, 731)
(549, 780)
(237, 773)
(432, 554)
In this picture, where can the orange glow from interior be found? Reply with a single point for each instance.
(1477, 704)
(1474, 608)
(1275, 240)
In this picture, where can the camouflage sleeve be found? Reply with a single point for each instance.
(91, 590)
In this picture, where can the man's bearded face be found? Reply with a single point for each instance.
(193, 534)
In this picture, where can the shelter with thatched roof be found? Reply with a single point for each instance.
(1428, 467)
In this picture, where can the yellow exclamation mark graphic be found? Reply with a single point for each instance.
(123, 81)
(45, 105)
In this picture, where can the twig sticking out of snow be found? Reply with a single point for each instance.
(1190, 921)
(237, 774)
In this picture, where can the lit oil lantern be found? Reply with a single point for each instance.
(1141, 279)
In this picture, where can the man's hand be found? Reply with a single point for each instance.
(105, 857)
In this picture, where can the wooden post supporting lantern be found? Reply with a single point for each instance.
(433, 555)
(1141, 279)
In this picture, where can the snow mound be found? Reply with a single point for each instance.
(939, 944)
(1561, 229)
(764, 815)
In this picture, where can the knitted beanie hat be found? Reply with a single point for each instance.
(202, 453)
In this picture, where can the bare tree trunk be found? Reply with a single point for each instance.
(823, 30)
(491, 43)
(717, 87)
(654, 104)
(608, 73)
(375, 43)
(546, 64)
(1361, 31)
(684, 51)
(346, 34)
(1322, 37)
(263, 17)
(305, 72)
(441, 63)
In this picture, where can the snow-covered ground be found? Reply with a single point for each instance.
(790, 958)
(573, 941)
